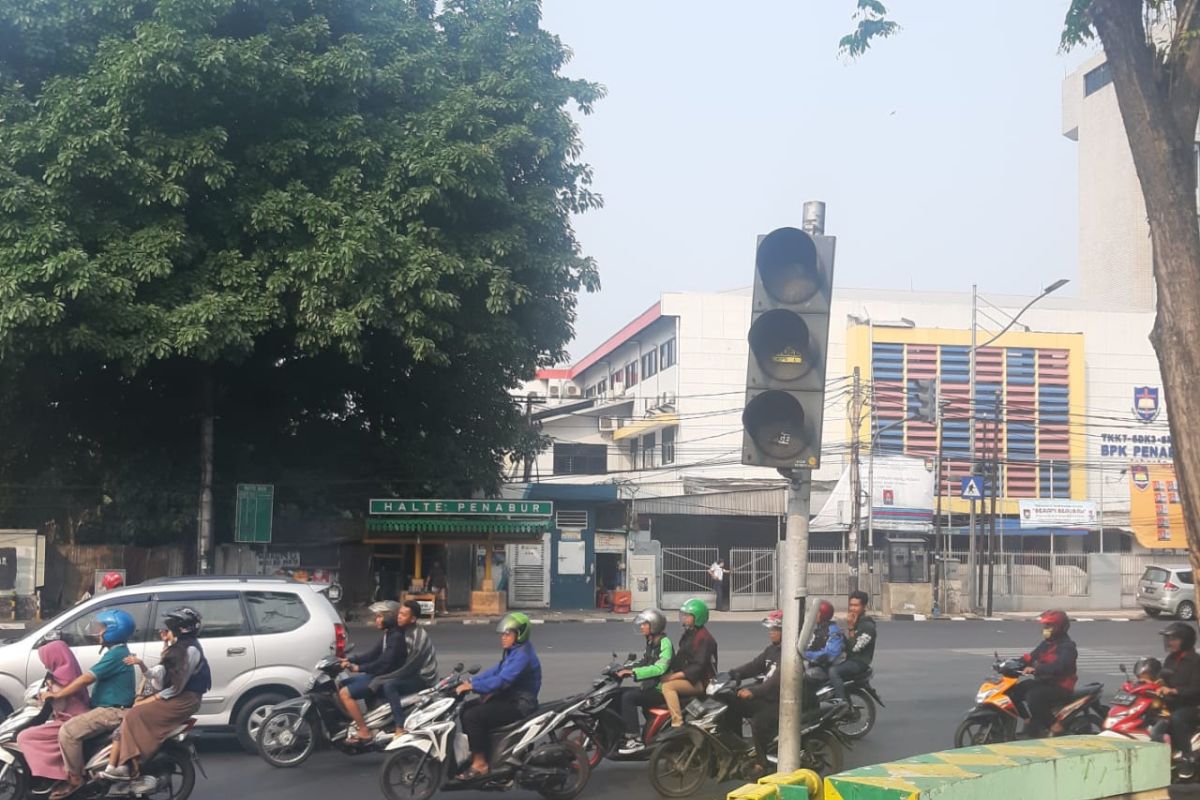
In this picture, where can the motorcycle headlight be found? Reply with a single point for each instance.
(983, 695)
(312, 681)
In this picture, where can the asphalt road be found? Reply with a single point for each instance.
(927, 673)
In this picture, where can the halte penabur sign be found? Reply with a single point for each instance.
(464, 508)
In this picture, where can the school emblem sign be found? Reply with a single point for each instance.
(1146, 406)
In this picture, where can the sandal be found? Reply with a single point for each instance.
(358, 738)
(65, 789)
(470, 774)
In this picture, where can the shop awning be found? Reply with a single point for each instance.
(474, 529)
(647, 425)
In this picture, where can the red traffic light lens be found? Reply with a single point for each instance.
(781, 344)
(787, 265)
(775, 422)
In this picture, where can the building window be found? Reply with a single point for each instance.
(572, 458)
(633, 453)
(570, 519)
(602, 387)
(1096, 79)
(650, 364)
(648, 447)
(554, 391)
(631, 373)
(614, 379)
(589, 392)
(668, 445)
(666, 354)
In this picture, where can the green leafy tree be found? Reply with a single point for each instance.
(1153, 51)
(362, 203)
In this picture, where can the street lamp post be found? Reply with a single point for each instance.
(972, 554)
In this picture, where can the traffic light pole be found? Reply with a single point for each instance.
(795, 591)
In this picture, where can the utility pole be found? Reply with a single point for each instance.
(973, 582)
(995, 481)
(939, 590)
(529, 400)
(852, 545)
(795, 588)
(204, 518)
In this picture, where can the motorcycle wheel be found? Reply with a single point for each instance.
(14, 781)
(822, 753)
(579, 772)
(677, 767)
(408, 774)
(861, 719)
(584, 736)
(980, 730)
(286, 739)
(1084, 725)
(175, 772)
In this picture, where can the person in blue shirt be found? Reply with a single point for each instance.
(113, 689)
(826, 648)
(510, 691)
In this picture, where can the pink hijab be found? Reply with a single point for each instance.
(63, 667)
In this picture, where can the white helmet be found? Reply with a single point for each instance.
(654, 618)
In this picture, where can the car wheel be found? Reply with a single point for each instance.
(250, 717)
(1186, 610)
(1153, 612)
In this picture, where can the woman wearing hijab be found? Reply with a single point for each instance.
(40, 744)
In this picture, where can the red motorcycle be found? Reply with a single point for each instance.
(1139, 713)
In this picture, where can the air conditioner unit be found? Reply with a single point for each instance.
(572, 390)
(609, 424)
(669, 398)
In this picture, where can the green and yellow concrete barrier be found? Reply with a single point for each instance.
(1065, 768)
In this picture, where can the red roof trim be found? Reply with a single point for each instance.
(617, 339)
(553, 374)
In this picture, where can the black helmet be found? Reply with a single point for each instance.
(1185, 633)
(1149, 665)
(183, 621)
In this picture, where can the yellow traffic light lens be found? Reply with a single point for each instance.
(775, 422)
(780, 342)
(788, 266)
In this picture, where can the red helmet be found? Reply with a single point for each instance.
(774, 621)
(825, 611)
(1057, 621)
(112, 580)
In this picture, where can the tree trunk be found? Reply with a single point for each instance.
(1162, 141)
(204, 533)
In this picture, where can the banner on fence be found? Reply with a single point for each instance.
(1155, 513)
(1057, 513)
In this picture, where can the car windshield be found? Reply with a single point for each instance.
(1155, 575)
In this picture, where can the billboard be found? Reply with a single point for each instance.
(1057, 513)
(1155, 512)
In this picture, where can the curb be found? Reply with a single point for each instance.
(1006, 618)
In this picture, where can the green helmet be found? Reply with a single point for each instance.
(517, 623)
(698, 609)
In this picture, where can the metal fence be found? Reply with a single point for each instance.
(829, 573)
(752, 579)
(685, 574)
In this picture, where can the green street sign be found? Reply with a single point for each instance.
(255, 513)
(464, 508)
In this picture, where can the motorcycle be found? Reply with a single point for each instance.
(994, 717)
(291, 731)
(170, 773)
(862, 699)
(1139, 713)
(682, 758)
(530, 754)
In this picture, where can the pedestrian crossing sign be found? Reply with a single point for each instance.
(972, 488)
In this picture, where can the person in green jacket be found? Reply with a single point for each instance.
(654, 664)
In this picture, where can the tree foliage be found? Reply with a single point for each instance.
(353, 214)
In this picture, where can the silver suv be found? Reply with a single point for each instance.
(261, 637)
(1168, 590)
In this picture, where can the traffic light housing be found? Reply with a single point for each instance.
(922, 401)
(789, 337)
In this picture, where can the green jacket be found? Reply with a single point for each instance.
(656, 661)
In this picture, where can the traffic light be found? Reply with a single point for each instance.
(922, 401)
(789, 335)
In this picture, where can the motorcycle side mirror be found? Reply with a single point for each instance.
(996, 654)
(474, 669)
(1122, 668)
(458, 667)
(632, 656)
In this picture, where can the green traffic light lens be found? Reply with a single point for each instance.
(788, 267)
(775, 421)
(780, 342)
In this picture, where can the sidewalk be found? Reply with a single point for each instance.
(1100, 615)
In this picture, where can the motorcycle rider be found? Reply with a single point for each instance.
(112, 683)
(695, 661)
(760, 703)
(510, 691)
(653, 666)
(382, 659)
(860, 636)
(1181, 674)
(418, 671)
(1052, 663)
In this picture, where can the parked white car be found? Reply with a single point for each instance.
(261, 637)
(1168, 590)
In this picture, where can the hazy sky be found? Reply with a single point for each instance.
(939, 154)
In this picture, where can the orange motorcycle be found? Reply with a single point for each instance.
(995, 715)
